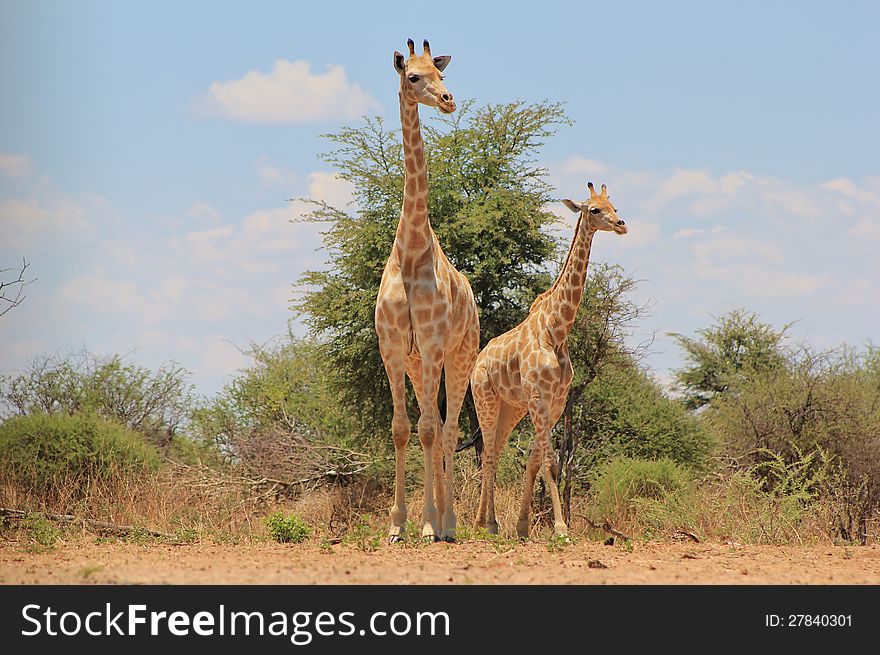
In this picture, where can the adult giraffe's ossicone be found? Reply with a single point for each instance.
(426, 317)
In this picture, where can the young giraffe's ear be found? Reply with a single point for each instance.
(442, 62)
(572, 205)
(399, 62)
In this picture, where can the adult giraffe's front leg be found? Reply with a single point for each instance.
(426, 388)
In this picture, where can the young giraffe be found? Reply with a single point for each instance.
(527, 369)
(426, 317)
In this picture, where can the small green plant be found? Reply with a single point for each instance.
(558, 542)
(363, 536)
(409, 536)
(186, 536)
(498, 542)
(287, 529)
(41, 530)
(86, 571)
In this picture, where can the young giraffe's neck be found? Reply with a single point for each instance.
(414, 234)
(564, 297)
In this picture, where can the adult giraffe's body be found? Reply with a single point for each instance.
(528, 370)
(426, 317)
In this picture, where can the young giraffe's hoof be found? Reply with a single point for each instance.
(394, 538)
(430, 538)
(449, 539)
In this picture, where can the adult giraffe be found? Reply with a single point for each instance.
(426, 317)
(528, 370)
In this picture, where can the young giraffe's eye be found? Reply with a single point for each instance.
(594, 210)
(414, 78)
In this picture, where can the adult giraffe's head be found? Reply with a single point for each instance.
(598, 211)
(421, 78)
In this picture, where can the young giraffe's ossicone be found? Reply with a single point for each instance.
(527, 370)
(426, 317)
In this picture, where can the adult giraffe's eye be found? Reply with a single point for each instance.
(594, 210)
(414, 78)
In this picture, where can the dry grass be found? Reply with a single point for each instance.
(222, 506)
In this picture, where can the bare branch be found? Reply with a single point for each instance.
(12, 291)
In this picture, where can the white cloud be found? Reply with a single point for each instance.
(272, 175)
(202, 213)
(15, 165)
(25, 221)
(688, 232)
(290, 93)
(867, 228)
(331, 188)
(104, 292)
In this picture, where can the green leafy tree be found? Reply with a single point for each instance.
(825, 402)
(624, 412)
(286, 387)
(725, 355)
(280, 420)
(487, 199)
(152, 403)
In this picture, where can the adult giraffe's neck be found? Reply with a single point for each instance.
(414, 233)
(564, 297)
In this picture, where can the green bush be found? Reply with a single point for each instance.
(620, 484)
(48, 450)
(624, 413)
(287, 529)
(41, 529)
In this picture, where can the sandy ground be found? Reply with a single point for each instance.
(86, 561)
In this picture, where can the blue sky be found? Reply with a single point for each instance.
(147, 151)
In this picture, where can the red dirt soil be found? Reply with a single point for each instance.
(87, 561)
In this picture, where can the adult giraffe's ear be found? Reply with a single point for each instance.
(399, 62)
(442, 62)
(572, 205)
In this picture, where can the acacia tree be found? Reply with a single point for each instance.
(487, 205)
(724, 355)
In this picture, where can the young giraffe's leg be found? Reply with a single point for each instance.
(532, 466)
(400, 432)
(508, 417)
(458, 372)
(487, 404)
(544, 417)
(429, 432)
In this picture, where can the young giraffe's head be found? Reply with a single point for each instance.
(421, 78)
(598, 211)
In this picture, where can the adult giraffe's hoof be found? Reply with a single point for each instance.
(449, 539)
(430, 538)
(395, 534)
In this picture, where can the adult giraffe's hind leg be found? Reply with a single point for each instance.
(400, 433)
